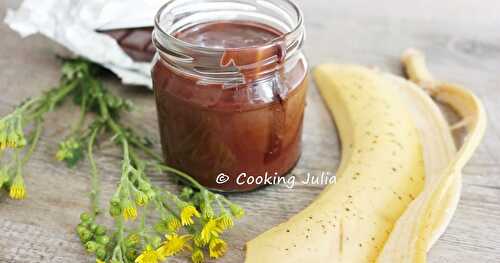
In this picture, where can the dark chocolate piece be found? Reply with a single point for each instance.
(136, 42)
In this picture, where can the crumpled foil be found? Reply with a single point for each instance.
(75, 25)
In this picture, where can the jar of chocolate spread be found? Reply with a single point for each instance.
(230, 83)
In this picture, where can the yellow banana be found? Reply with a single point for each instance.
(381, 172)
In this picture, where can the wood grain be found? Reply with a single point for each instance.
(461, 39)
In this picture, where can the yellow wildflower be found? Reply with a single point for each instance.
(148, 256)
(15, 140)
(141, 198)
(174, 244)
(225, 221)
(173, 223)
(17, 189)
(99, 261)
(198, 241)
(210, 229)
(217, 248)
(3, 140)
(129, 211)
(187, 214)
(197, 256)
(12, 140)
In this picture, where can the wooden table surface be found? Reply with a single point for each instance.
(460, 37)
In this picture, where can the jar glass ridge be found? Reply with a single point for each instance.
(205, 62)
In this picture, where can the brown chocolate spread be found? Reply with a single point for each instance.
(253, 128)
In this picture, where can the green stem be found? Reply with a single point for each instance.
(94, 194)
(180, 174)
(34, 143)
(19, 165)
(28, 104)
(117, 253)
(115, 127)
(219, 203)
(47, 101)
(147, 150)
(65, 90)
(104, 112)
(81, 119)
(142, 225)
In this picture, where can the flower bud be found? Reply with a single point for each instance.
(80, 230)
(100, 230)
(85, 224)
(93, 227)
(237, 211)
(115, 210)
(103, 240)
(101, 252)
(145, 187)
(186, 193)
(21, 142)
(85, 217)
(85, 235)
(91, 246)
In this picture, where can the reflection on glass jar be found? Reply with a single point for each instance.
(230, 82)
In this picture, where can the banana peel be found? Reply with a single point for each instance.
(406, 230)
(427, 218)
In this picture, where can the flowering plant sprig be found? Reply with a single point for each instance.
(20, 132)
(151, 224)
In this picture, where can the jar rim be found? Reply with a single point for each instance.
(290, 33)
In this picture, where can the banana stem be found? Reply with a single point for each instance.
(416, 70)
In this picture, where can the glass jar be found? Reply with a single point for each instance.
(230, 82)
